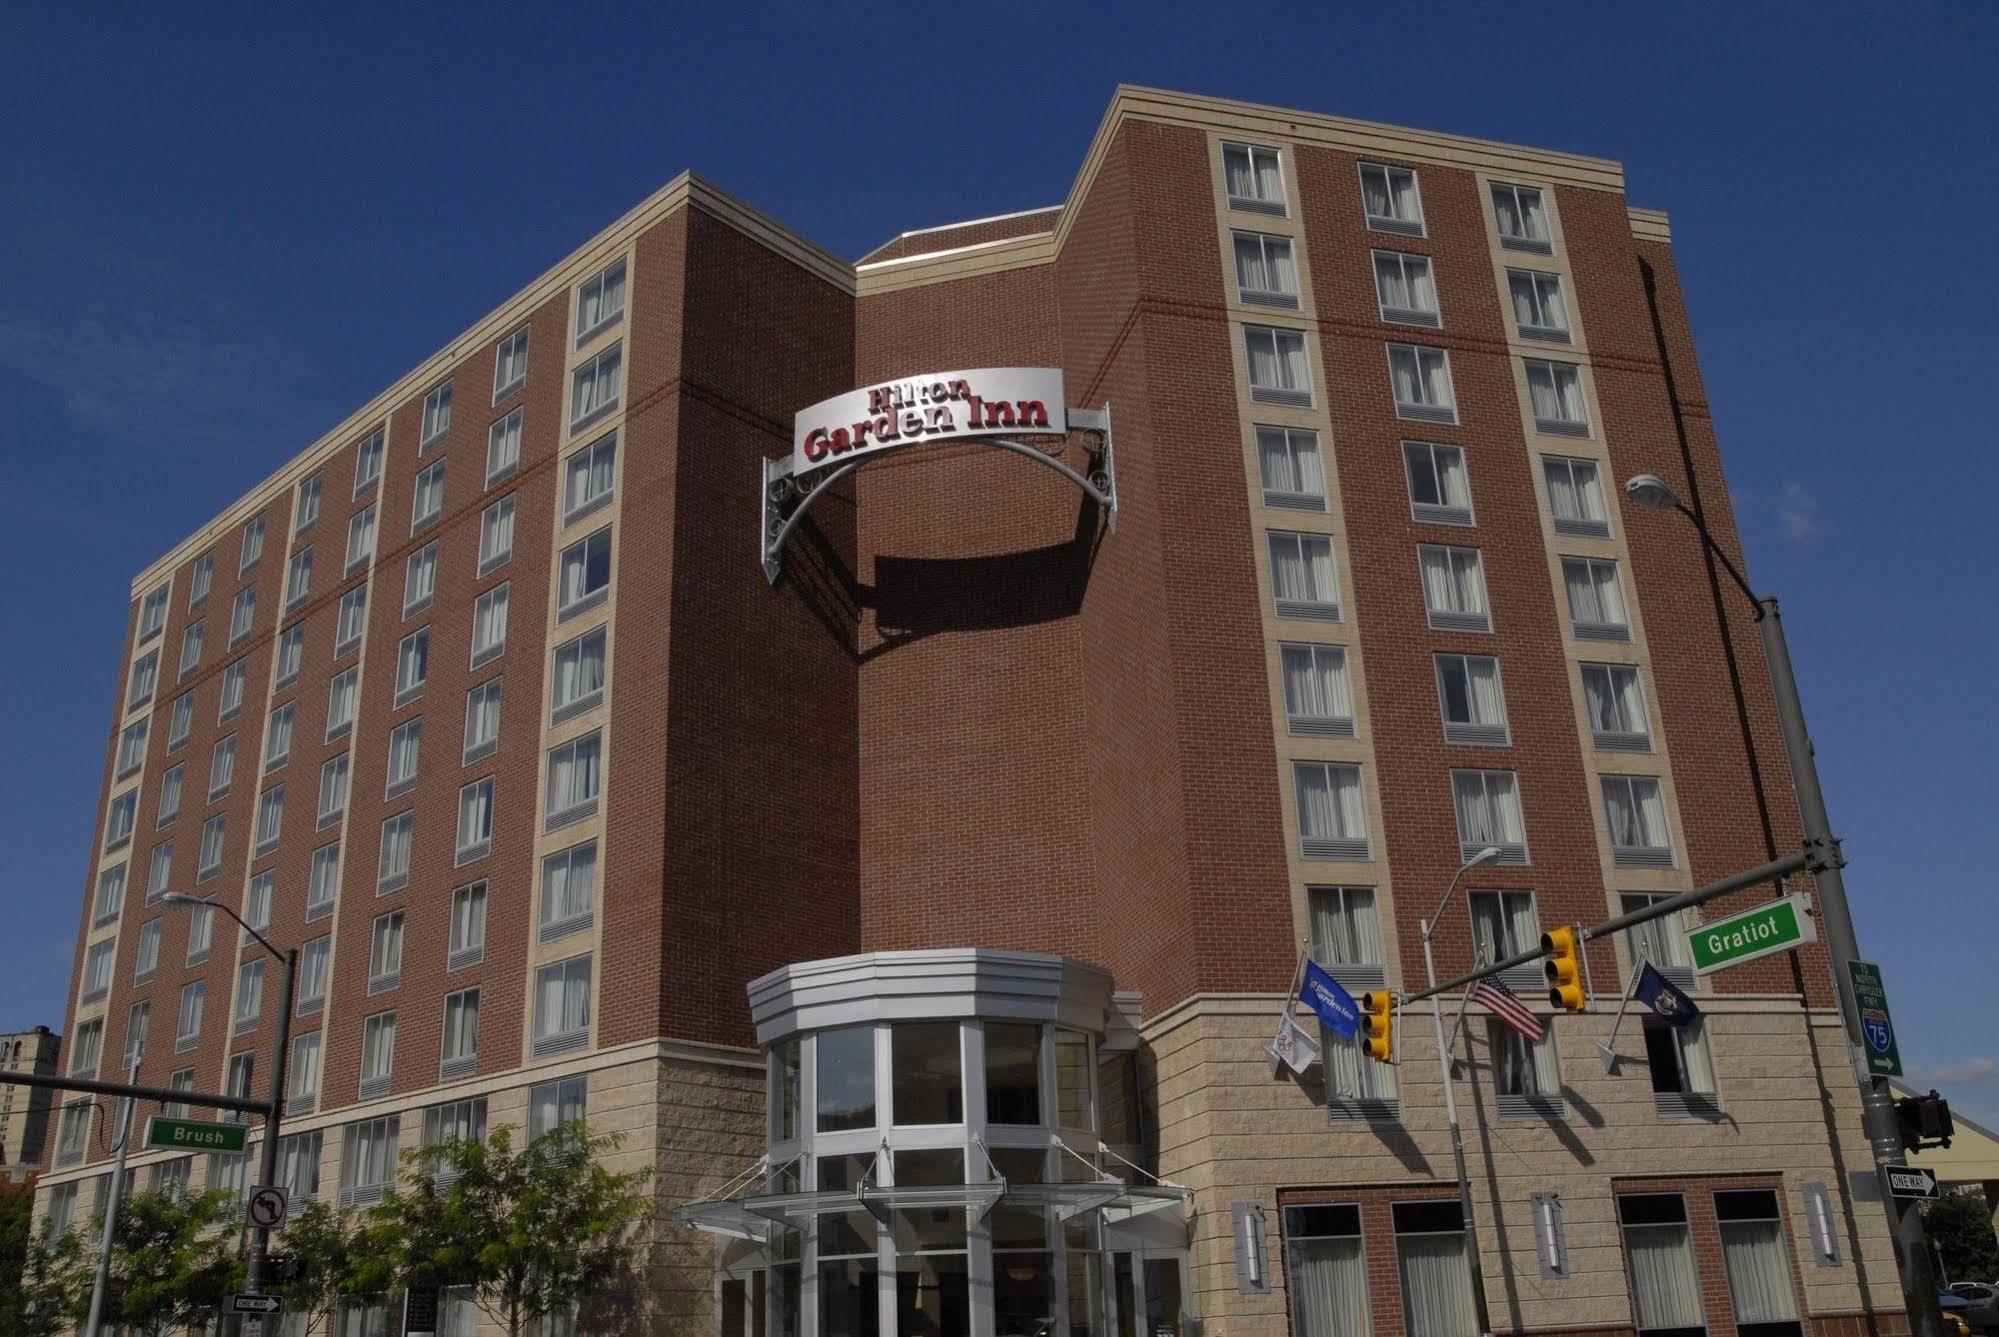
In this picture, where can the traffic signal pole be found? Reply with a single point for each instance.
(255, 1273)
(94, 1324)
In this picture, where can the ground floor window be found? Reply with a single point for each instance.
(1435, 1272)
(1758, 1264)
(1665, 1290)
(1322, 1245)
(369, 1316)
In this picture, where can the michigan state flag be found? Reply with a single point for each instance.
(1668, 1002)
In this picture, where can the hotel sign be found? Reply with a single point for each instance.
(936, 406)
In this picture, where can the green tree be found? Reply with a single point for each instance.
(172, 1262)
(17, 1209)
(45, 1301)
(1960, 1225)
(333, 1250)
(530, 1231)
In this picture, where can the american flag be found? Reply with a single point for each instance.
(1503, 1003)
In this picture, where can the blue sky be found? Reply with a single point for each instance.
(220, 231)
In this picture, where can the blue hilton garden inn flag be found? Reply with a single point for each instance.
(1667, 1001)
(1334, 1005)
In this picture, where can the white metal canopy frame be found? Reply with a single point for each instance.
(992, 406)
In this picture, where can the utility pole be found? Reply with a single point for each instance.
(92, 1325)
(255, 1274)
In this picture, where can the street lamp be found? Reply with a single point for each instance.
(1479, 860)
(1877, 1108)
(267, 1173)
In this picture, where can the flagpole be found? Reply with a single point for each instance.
(1290, 1001)
(1609, 1047)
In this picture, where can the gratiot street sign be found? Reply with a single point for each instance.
(1752, 934)
(193, 1135)
(1877, 1028)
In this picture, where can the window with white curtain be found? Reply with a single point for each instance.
(561, 1007)
(1439, 487)
(291, 654)
(482, 722)
(600, 300)
(1596, 599)
(1327, 1261)
(200, 933)
(221, 768)
(298, 1161)
(145, 677)
(378, 1053)
(1488, 808)
(436, 417)
(459, 1051)
(554, 1104)
(153, 614)
(585, 577)
(1303, 580)
(1346, 939)
(1555, 393)
(405, 748)
(1254, 178)
(187, 1031)
(257, 904)
(73, 1137)
(1454, 588)
(468, 927)
(201, 581)
(110, 900)
(1635, 807)
(1332, 813)
(234, 679)
(385, 952)
(368, 459)
(427, 499)
(1278, 373)
(595, 385)
(1406, 289)
(213, 833)
(87, 1045)
(578, 680)
(190, 649)
(1421, 380)
(242, 616)
(1681, 1068)
(588, 477)
(1265, 273)
(1526, 1074)
(1390, 199)
(1294, 473)
(147, 958)
(489, 626)
(1575, 496)
(412, 666)
(302, 1085)
(1472, 700)
(510, 364)
(313, 960)
(97, 966)
(131, 748)
(352, 622)
(1659, 1249)
(1523, 222)
(420, 579)
(368, 1158)
(298, 579)
(503, 448)
(270, 818)
(1538, 308)
(305, 512)
(475, 820)
(1503, 924)
(332, 791)
(360, 539)
(574, 776)
(392, 865)
(1614, 700)
(323, 882)
(1318, 694)
(252, 551)
(1662, 941)
(1431, 1263)
(249, 997)
(496, 535)
(568, 891)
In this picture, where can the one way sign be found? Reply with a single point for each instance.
(1905, 1182)
(255, 1304)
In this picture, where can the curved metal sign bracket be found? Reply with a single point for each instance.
(787, 496)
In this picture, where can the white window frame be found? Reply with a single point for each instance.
(270, 819)
(352, 623)
(342, 688)
(302, 1097)
(290, 656)
(475, 810)
(298, 579)
(575, 809)
(1494, 787)
(612, 277)
(333, 783)
(1588, 629)
(305, 506)
(560, 710)
(378, 1054)
(360, 538)
(242, 615)
(201, 581)
(1471, 731)
(385, 952)
(278, 737)
(159, 871)
(1272, 441)
(1281, 340)
(1636, 735)
(1538, 282)
(1553, 369)
(235, 681)
(249, 1009)
(421, 570)
(172, 782)
(496, 535)
(187, 1022)
(587, 402)
(215, 833)
(503, 447)
(406, 748)
(1274, 266)
(1442, 511)
(152, 614)
(570, 605)
(1340, 844)
(1425, 409)
(132, 747)
(429, 485)
(556, 922)
(1301, 723)
(1395, 223)
(582, 464)
(458, 1049)
(1326, 605)
(322, 887)
(369, 453)
(392, 863)
(145, 680)
(510, 363)
(221, 767)
(1569, 466)
(252, 549)
(1465, 568)
(1402, 262)
(1521, 241)
(190, 648)
(489, 625)
(1252, 155)
(146, 960)
(412, 666)
(1649, 854)
(467, 942)
(435, 424)
(548, 1039)
(477, 746)
(315, 958)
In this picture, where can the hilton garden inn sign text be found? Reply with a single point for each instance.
(936, 406)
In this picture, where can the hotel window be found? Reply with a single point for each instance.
(926, 1074)
(1405, 289)
(1636, 808)
(568, 891)
(553, 1105)
(420, 580)
(61, 1208)
(1390, 199)
(1421, 380)
(270, 818)
(138, 1020)
(593, 389)
(253, 545)
(578, 681)
(332, 791)
(385, 953)
(148, 956)
(236, 1082)
(489, 626)
(1431, 1264)
(1294, 474)
(1615, 703)
(200, 933)
(412, 666)
(368, 460)
(586, 574)
(1346, 940)
(212, 835)
(436, 417)
(482, 722)
(159, 871)
(496, 535)
(110, 900)
(574, 776)
(352, 622)
(1255, 178)
(1555, 392)
(302, 1087)
(131, 748)
(460, 1051)
(367, 1167)
(1575, 496)
(468, 927)
(190, 649)
(153, 614)
(405, 745)
(1662, 941)
(298, 1161)
(1439, 486)
(1332, 813)
(378, 1054)
(1596, 600)
(1523, 223)
(561, 1007)
(201, 581)
(257, 899)
(503, 448)
(291, 653)
(360, 539)
(242, 616)
(324, 882)
(249, 997)
(1681, 1068)
(1454, 588)
(1488, 808)
(427, 499)
(1278, 373)
(313, 959)
(1526, 1074)
(1504, 924)
(73, 1138)
(1472, 700)
(234, 679)
(1658, 1246)
(145, 677)
(187, 1029)
(87, 1046)
(181, 722)
(305, 514)
(588, 477)
(475, 821)
(298, 579)
(97, 964)
(392, 866)
(510, 364)
(1303, 580)
(1318, 695)
(1265, 274)
(1538, 308)
(229, 1171)
(278, 737)
(600, 301)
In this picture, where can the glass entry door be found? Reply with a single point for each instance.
(1149, 1289)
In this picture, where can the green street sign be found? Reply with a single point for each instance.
(193, 1135)
(1752, 934)
(1877, 1028)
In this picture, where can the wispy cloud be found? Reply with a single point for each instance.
(1797, 512)
(1963, 1073)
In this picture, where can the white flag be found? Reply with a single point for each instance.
(1294, 1045)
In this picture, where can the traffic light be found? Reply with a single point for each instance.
(1565, 970)
(1377, 1025)
(1925, 1121)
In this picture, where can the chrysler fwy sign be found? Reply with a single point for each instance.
(936, 406)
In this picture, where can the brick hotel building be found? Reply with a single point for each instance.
(946, 889)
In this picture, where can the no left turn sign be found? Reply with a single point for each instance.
(267, 1208)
